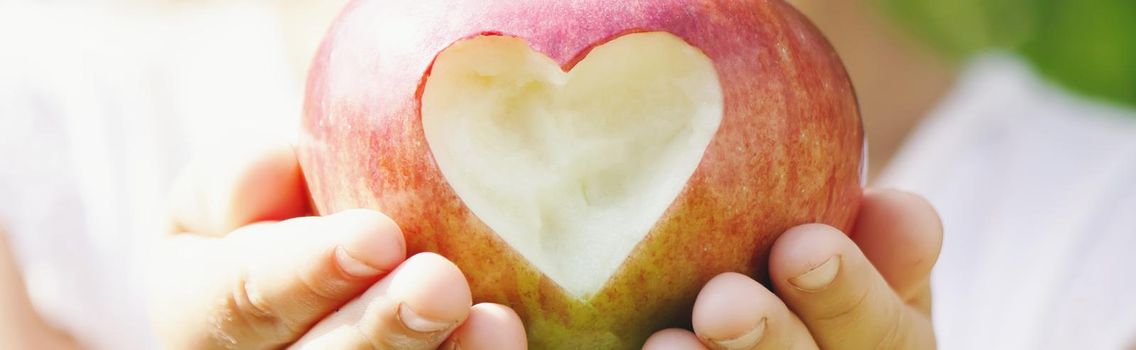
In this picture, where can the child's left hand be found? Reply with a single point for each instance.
(866, 290)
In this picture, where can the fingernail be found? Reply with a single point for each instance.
(420, 324)
(819, 277)
(745, 341)
(353, 266)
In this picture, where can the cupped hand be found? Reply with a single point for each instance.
(245, 267)
(865, 290)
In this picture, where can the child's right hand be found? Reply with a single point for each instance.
(244, 267)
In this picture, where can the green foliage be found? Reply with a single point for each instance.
(1086, 45)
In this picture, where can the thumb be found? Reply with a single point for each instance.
(901, 235)
(229, 187)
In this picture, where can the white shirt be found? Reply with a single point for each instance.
(99, 108)
(1037, 192)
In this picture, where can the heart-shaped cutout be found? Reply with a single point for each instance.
(572, 169)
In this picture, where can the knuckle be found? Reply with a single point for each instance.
(893, 336)
(247, 317)
(248, 302)
(846, 308)
(324, 287)
(365, 341)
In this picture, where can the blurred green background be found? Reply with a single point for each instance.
(1088, 46)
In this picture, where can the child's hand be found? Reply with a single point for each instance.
(867, 290)
(243, 269)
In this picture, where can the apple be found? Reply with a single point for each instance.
(589, 163)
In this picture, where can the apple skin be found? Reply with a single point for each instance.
(788, 151)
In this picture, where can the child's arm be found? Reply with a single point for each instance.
(21, 327)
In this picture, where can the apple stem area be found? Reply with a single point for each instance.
(571, 169)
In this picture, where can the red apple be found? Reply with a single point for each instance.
(589, 163)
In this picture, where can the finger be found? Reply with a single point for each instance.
(734, 312)
(845, 303)
(489, 327)
(266, 285)
(227, 189)
(901, 235)
(673, 339)
(416, 307)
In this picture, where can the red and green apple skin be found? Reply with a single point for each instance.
(788, 150)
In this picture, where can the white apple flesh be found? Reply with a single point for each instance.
(572, 169)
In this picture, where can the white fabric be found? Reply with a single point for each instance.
(1037, 192)
(99, 107)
